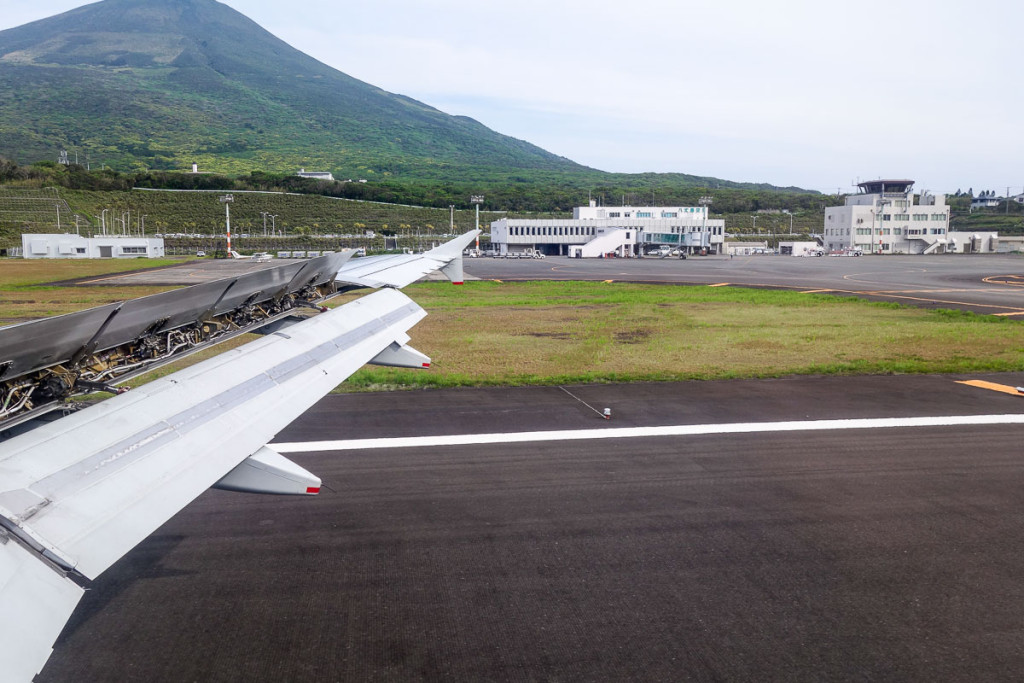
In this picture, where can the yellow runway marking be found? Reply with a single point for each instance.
(1012, 313)
(608, 282)
(816, 291)
(981, 384)
(720, 284)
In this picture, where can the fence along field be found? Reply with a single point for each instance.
(301, 220)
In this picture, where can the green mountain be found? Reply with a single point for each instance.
(162, 83)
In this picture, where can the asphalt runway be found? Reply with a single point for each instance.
(989, 283)
(984, 283)
(888, 553)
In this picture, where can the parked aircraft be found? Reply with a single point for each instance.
(78, 493)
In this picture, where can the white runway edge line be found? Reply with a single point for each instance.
(634, 432)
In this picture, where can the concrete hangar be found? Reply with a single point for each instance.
(623, 231)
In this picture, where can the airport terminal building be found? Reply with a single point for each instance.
(623, 231)
(883, 219)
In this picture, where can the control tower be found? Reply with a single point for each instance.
(886, 188)
(884, 218)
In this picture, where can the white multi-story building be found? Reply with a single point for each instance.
(623, 230)
(883, 219)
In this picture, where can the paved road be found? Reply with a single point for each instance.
(981, 283)
(870, 554)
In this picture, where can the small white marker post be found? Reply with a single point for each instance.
(607, 413)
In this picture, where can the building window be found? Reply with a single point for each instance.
(886, 217)
(614, 214)
(133, 250)
(920, 216)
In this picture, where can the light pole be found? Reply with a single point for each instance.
(477, 199)
(881, 224)
(754, 229)
(264, 214)
(451, 223)
(103, 220)
(226, 201)
(273, 224)
(142, 225)
(704, 201)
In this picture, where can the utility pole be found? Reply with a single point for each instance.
(103, 220)
(226, 201)
(264, 214)
(451, 223)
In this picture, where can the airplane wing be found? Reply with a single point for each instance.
(399, 270)
(80, 492)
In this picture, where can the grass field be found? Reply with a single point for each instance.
(27, 289)
(490, 333)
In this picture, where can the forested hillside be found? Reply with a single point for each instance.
(189, 203)
(159, 84)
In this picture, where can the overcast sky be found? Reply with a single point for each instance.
(793, 92)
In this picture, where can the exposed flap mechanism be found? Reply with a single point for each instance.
(401, 356)
(267, 471)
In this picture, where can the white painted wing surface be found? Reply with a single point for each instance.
(84, 490)
(35, 603)
(399, 270)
